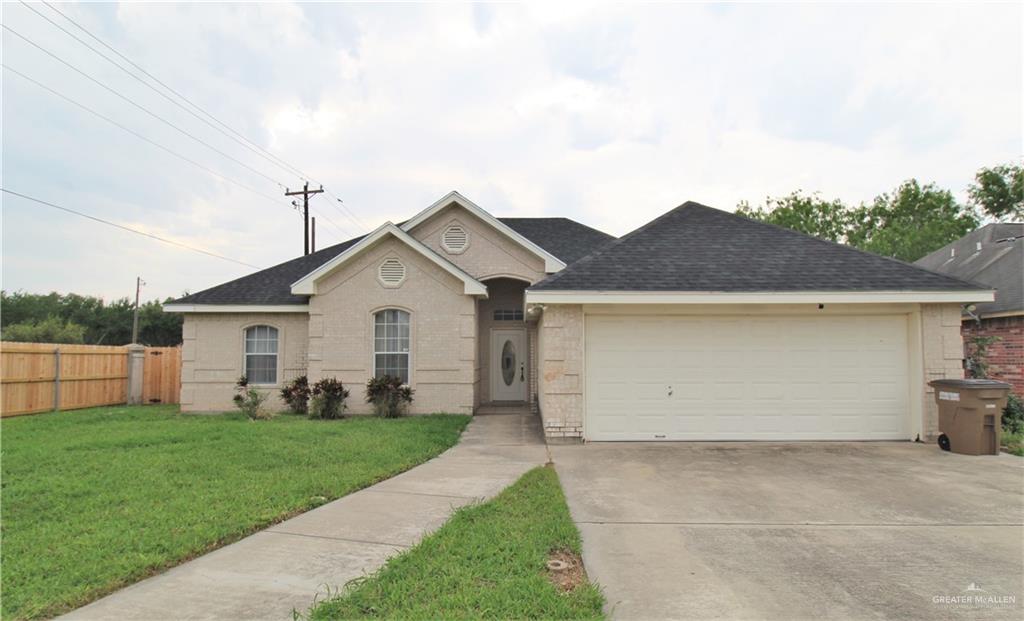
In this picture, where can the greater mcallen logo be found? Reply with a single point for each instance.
(975, 597)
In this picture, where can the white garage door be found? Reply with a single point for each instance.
(746, 378)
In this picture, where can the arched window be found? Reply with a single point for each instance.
(391, 344)
(261, 354)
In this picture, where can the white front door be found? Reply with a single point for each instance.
(508, 365)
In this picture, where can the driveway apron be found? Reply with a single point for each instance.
(881, 530)
(292, 564)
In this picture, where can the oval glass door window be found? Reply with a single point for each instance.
(508, 362)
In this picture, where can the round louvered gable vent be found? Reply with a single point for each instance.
(391, 272)
(455, 239)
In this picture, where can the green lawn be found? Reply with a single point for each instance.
(97, 499)
(487, 562)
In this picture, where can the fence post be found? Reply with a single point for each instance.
(136, 364)
(56, 379)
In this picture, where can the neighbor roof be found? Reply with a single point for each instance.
(695, 248)
(993, 255)
(564, 238)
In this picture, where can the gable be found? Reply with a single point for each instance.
(551, 262)
(485, 252)
(388, 232)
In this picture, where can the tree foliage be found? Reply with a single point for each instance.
(906, 224)
(102, 323)
(910, 222)
(808, 214)
(999, 191)
(49, 330)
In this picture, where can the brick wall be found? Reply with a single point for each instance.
(1005, 356)
(212, 354)
(560, 376)
(943, 355)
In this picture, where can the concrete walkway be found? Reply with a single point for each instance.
(287, 566)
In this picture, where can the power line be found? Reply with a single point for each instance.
(280, 162)
(139, 106)
(272, 199)
(127, 228)
(237, 137)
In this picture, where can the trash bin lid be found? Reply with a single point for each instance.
(968, 383)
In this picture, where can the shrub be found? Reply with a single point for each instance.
(250, 401)
(1013, 415)
(327, 399)
(388, 395)
(296, 394)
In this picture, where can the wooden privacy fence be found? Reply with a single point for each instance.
(42, 377)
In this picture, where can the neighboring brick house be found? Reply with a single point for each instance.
(992, 255)
(700, 325)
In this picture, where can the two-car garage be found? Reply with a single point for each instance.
(746, 377)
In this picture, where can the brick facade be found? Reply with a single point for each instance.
(942, 355)
(1005, 356)
(560, 376)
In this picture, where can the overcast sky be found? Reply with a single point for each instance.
(609, 115)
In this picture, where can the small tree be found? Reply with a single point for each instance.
(388, 395)
(977, 355)
(49, 330)
(327, 399)
(250, 401)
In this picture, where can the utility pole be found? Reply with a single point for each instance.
(305, 192)
(312, 235)
(135, 317)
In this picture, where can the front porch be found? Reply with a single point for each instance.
(506, 343)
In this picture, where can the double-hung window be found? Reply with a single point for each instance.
(261, 354)
(391, 344)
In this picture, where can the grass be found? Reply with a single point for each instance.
(1013, 443)
(486, 562)
(96, 499)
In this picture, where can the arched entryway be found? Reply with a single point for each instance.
(503, 343)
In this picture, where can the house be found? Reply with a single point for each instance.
(700, 325)
(993, 255)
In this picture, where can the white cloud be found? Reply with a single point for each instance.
(609, 114)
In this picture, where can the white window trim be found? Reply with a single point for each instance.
(373, 344)
(277, 356)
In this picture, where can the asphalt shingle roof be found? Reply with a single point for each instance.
(698, 248)
(566, 239)
(998, 263)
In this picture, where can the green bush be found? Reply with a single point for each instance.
(250, 401)
(296, 394)
(388, 395)
(327, 399)
(49, 330)
(1013, 415)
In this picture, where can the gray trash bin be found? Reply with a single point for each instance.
(970, 414)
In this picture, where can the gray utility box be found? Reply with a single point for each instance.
(970, 414)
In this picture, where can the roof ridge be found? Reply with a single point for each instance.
(613, 243)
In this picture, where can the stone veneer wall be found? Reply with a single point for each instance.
(943, 353)
(560, 372)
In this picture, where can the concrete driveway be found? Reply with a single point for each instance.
(798, 531)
